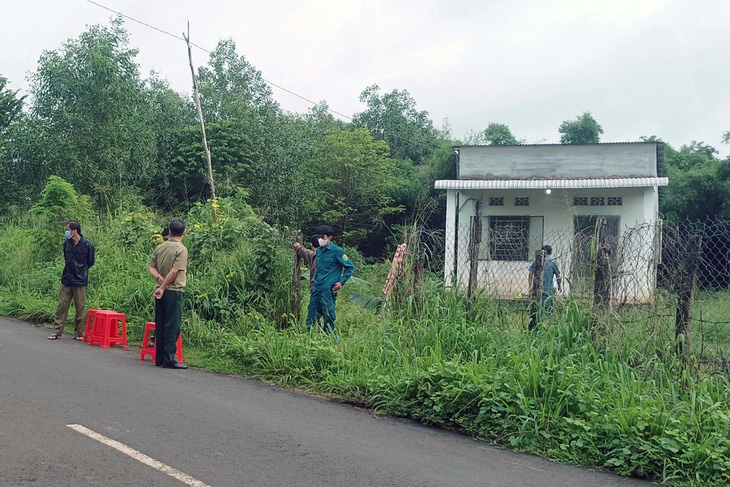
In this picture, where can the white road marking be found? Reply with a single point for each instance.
(139, 456)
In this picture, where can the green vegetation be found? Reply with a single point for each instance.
(122, 154)
(621, 401)
(583, 130)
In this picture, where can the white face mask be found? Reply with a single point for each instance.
(322, 242)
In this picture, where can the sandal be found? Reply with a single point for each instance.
(78, 338)
(54, 337)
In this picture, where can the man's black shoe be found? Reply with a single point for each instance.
(174, 366)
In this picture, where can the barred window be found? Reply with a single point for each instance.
(598, 201)
(580, 200)
(615, 201)
(509, 237)
(497, 201)
(522, 201)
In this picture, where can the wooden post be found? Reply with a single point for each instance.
(602, 283)
(686, 293)
(536, 289)
(475, 243)
(297, 282)
(202, 123)
(420, 265)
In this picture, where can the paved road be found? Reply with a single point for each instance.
(220, 430)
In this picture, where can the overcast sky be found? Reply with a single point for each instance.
(641, 67)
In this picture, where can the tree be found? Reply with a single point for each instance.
(169, 115)
(699, 184)
(352, 175)
(10, 105)
(393, 118)
(90, 98)
(499, 134)
(187, 179)
(230, 86)
(582, 130)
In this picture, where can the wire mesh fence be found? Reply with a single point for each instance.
(659, 279)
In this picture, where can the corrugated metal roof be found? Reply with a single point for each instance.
(553, 144)
(563, 183)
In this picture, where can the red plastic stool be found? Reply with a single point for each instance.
(90, 318)
(151, 351)
(103, 328)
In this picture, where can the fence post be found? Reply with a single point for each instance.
(297, 282)
(686, 293)
(475, 243)
(536, 289)
(420, 267)
(602, 283)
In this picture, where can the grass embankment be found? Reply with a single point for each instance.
(560, 393)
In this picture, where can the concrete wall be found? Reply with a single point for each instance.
(636, 277)
(558, 161)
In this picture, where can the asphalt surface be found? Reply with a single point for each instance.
(220, 430)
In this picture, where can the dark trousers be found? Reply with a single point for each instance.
(322, 304)
(168, 319)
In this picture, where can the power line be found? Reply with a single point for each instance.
(395, 135)
(209, 52)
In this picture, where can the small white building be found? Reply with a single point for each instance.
(567, 196)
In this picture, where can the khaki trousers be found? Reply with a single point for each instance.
(78, 293)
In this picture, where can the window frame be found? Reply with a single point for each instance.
(513, 246)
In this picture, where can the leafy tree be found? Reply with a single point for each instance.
(284, 180)
(353, 177)
(233, 155)
(393, 117)
(90, 98)
(10, 111)
(230, 86)
(582, 130)
(170, 115)
(10, 105)
(59, 199)
(499, 134)
(699, 184)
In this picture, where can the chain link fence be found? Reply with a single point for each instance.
(660, 279)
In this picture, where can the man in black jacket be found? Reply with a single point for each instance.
(79, 254)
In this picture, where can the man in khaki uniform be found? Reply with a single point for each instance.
(168, 265)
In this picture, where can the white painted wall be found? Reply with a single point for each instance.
(638, 214)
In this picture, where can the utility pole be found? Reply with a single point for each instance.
(202, 123)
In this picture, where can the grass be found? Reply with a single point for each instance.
(608, 393)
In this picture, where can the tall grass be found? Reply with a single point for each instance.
(619, 401)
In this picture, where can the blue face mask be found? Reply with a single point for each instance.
(67, 233)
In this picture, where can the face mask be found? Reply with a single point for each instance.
(322, 242)
(67, 233)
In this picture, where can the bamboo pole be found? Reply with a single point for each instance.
(202, 122)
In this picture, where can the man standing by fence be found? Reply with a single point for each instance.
(79, 255)
(334, 268)
(550, 271)
(168, 265)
